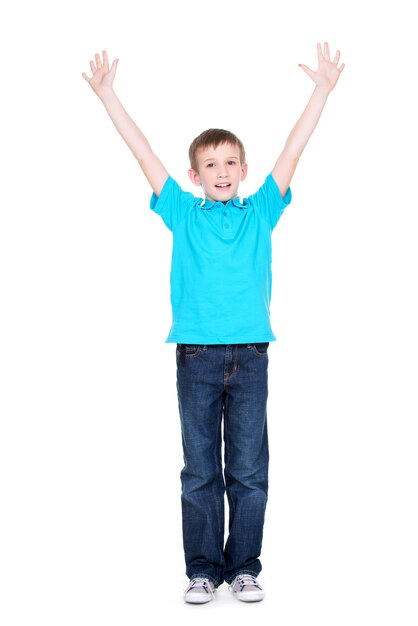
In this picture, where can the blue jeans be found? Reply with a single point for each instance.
(223, 384)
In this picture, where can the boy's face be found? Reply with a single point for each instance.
(219, 172)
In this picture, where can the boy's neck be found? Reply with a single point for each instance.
(221, 201)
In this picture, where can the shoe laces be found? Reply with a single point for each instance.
(245, 580)
(200, 582)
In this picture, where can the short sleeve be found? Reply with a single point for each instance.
(268, 201)
(171, 203)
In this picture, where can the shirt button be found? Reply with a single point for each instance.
(226, 225)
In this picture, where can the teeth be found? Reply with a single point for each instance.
(223, 185)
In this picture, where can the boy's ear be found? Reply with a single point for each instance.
(194, 177)
(244, 171)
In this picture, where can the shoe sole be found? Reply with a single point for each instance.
(248, 596)
(198, 600)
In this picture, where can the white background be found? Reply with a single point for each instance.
(90, 440)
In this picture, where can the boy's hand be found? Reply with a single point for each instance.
(102, 78)
(328, 72)
(102, 84)
(325, 79)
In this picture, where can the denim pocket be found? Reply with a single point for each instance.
(188, 349)
(259, 348)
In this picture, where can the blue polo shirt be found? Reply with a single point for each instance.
(221, 264)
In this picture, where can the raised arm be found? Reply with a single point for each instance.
(325, 79)
(102, 84)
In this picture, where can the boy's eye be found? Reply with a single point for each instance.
(232, 162)
(210, 165)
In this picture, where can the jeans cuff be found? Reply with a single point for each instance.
(230, 579)
(216, 583)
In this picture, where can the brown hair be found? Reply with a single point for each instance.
(211, 138)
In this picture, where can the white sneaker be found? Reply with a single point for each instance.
(199, 591)
(245, 587)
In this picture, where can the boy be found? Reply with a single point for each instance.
(220, 296)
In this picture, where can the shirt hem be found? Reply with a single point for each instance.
(219, 340)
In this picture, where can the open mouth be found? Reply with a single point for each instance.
(223, 185)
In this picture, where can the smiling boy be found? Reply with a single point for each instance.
(220, 296)
(217, 167)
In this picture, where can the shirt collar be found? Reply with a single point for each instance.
(238, 202)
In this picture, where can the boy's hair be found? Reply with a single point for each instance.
(212, 138)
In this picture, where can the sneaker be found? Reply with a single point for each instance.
(245, 587)
(199, 591)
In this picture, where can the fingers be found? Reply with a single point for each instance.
(325, 56)
(105, 61)
(319, 53)
(307, 71)
(337, 60)
(113, 68)
(99, 65)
